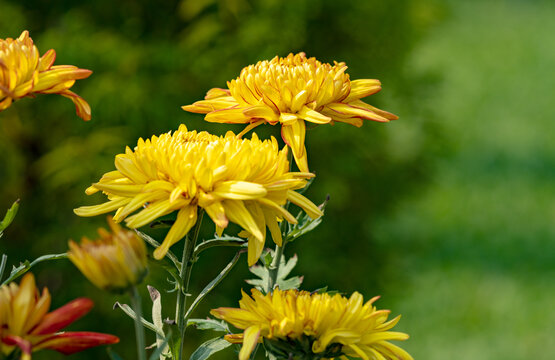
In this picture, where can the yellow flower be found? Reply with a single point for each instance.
(115, 262)
(26, 324)
(290, 91)
(23, 73)
(232, 179)
(313, 326)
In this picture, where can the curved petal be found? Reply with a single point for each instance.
(63, 316)
(186, 218)
(250, 340)
(294, 135)
(72, 342)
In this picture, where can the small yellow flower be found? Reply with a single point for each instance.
(232, 179)
(301, 325)
(27, 326)
(114, 262)
(23, 73)
(290, 91)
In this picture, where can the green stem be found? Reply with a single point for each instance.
(185, 275)
(278, 253)
(139, 331)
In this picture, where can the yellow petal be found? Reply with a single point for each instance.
(238, 213)
(186, 218)
(308, 206)
(102, 208)
(250, 339)
(294, 135)
(239, 190)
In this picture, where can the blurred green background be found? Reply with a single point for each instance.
(448, 213)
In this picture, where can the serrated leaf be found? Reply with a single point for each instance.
(10, 215)
(287, 267)
(291, 283)
(213, 283)
(209, 348)
(208, 324)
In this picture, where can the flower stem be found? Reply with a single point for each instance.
(185, 275)
(278, 253)
(139, 331)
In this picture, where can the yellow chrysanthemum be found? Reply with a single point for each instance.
(23, 73)
(290, 91)
(301, 325)
(232, 179)
(115, 262)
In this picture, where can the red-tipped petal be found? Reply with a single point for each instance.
(72, 342)
(82, 107)
(23, 344)
(62, 317)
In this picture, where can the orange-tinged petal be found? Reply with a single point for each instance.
(63, 316)
(47, 60)
(82, 107)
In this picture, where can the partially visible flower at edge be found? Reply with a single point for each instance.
(115, 262)
(23, 73)
(313, 326)
(25, 323)
(290, 91)
(240, 180)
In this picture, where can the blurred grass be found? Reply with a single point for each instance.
(477, 244)
(447, 213)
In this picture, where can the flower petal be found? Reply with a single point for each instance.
(250, 340)
(186, 218)
(72, 342)
(63, 316)
(294, 135)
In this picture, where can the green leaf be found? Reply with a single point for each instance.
(162, 349)
(156, 244)
(213, 283)
(10, 215)
(284, 283)
(26, 266)
(161, 224)
(161, 341)
(209, 348)
(129, 312)
(224, 240)
(305, 224)
(208, 324)
(3, 265)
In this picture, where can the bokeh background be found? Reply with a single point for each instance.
(448, 213)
